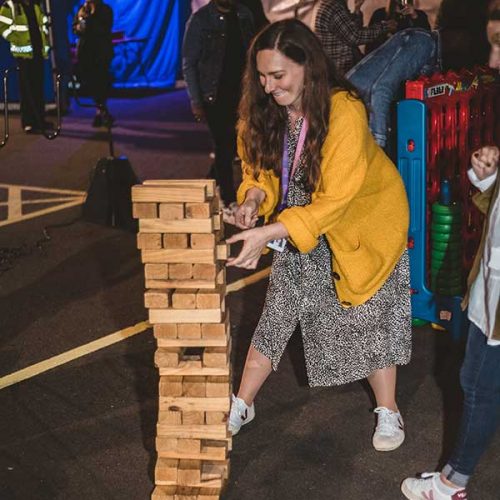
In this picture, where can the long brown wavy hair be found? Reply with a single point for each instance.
(263, 122)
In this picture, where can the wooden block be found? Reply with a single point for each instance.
(204, 271)
(194, 387)
(193, 418)
(189, 445)
(149, 241)
(189, 331)
(171, 417)
(203, 241)
(218, 387)
(166, 470)
(199, 210)
(170, 387)
(216, 331)
(214, 470)
(144, 210)
(168, 356)
(188, 283)
(221, 277)
(197, 342)
(165, 331)
(185, 315)
(177, 256)
(222, 251)
(217, 222)
(175, 241)
(210, 447)
(184, 299)
(164, 493)
(216, 417)
(208, 183)
(211, 432)
(156, 299)
(187, 370)
(195, 404)
(174, 448)
(180, 271)
(216, 356)
(189, 472)
(169, 194)
(156, 271)
(171, 211)
(176, 226)
(209, 299)
(166, 445)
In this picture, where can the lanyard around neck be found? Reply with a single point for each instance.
(286, 174)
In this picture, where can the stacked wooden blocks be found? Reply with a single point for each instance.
(180, 228)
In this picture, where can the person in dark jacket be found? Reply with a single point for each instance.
(213, 57)
(93, 24)
(404, 13)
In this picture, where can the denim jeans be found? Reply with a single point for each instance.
(379, 75)
(480, 381)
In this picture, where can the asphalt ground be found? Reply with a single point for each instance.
(83, 427)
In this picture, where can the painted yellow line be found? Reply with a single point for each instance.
(71, 355)
(113, 338)
(34, 201)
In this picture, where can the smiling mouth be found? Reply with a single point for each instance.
(278, 94)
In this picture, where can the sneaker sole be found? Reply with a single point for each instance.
(407, 493)
(391, 448)
(244, 423)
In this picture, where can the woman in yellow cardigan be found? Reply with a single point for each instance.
(337, 218)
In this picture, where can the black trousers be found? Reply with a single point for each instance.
(94, 74)
(221, 119)
(31, 92)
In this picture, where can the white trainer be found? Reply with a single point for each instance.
(389, 433)
(426, 487)
(240, 414)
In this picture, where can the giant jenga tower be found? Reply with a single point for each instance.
(180, 229)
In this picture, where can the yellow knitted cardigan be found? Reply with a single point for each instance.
(360, 205)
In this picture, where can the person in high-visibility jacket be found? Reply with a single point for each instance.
(24, 25)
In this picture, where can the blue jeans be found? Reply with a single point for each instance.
(480, 381)
(378, 76)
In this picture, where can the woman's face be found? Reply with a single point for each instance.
(281, 77)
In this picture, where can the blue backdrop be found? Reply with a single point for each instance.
(150, 57)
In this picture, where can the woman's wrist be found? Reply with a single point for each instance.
(275, 231)
(255, 195)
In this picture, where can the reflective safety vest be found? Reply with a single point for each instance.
(14, 28)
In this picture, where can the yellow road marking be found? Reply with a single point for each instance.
(34, 201)
(101, 343)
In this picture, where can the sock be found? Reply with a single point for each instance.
(444, 488)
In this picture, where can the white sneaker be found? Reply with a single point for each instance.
(427, 488)
(240, 414)
(389, 433)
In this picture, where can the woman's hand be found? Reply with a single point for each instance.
(485, 161)
(254, 241)
(246, 214)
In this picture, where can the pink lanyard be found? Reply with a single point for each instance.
(286, 175)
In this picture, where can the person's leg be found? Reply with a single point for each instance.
(480, 380)
(379, 75)
(383, 384)
(27, 115)
(257, 369)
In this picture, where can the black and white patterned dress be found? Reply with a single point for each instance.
(340, 344)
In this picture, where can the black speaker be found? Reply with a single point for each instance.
(109, 199)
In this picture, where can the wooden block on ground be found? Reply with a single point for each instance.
(149, 241)
(210, 299)
(156, 299)
(193, 417)
(175, 241)
(170, 387)
(204, 271)
(208, 183)
(189, 472)
(184, 299)
(165, 331)
(169, 194)
(194, 387)
(171, 417)
(180, 271)
(166, 470)
(216, 417)
(171, 211)
(185, 315)
(189, 330)
(144, 210)
(156, 271)
(168, 357)
(204, 241)
(176, 226)
(216, 356)
(217, 387)
(179, 256)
